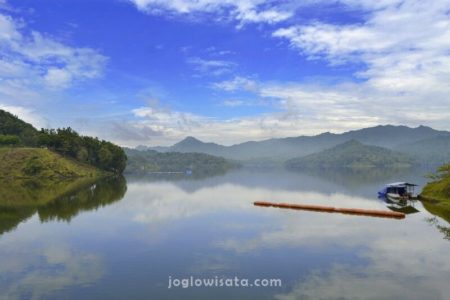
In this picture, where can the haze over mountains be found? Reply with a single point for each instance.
(423, 143)
(352, 155)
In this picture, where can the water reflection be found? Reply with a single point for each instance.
(43, 272)
(99, 194)
(403, 205)
(20, 199)
(209, 227)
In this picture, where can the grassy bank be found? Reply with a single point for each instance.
(436, 194)
(41, 163)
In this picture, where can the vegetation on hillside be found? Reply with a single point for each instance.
(11, 125)
(101, 154)
(39, 162)
(65, 141)
(436, 194)
(153, 161)
(351, 154)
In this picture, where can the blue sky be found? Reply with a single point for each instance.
(152, 72)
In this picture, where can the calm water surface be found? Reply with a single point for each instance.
(123, 238)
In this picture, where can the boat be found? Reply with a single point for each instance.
(398, 191)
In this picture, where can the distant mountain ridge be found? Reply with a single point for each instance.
(387, 136)
(354, 155)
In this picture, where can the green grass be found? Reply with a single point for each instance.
(436, 194)
(29, 163)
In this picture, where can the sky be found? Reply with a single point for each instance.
(151, 72)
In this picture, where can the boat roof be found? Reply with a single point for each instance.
(400, 184)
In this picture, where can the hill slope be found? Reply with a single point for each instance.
(13, 126)
(41, 163)
(66, 141)
(351, 154)
(436, 195)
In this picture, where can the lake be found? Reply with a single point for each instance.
(129, 238)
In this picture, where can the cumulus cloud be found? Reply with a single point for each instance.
(404, 48)
(45, 60)
(33, 66)
(403, 44)
(244, 11)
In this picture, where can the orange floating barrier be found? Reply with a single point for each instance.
(330, 209)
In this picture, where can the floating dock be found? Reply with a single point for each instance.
(330, 209)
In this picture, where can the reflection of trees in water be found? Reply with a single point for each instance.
(442, 229)
(436, 208)
(99, 194)
(10, 217)
(162, 176)
(20, 199)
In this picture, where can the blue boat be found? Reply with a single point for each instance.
(398, 191)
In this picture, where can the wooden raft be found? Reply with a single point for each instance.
(330, 209)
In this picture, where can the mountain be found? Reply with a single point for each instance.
(351, 154)
(281, 149)
(434, 150)
(191, 144)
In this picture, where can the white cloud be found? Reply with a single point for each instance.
(237, 83)
(44, 57)
(404, 44)
(32, 63)
(294, 118)
(34, 66)
(244, 11)
(57, 77)
(211, 67)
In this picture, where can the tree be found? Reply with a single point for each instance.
(9, 140)
(66, 141)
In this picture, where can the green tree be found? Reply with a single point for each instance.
(9, 140)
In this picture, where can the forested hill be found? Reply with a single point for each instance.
(153, 161)
(65, 141)
(351, 154)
